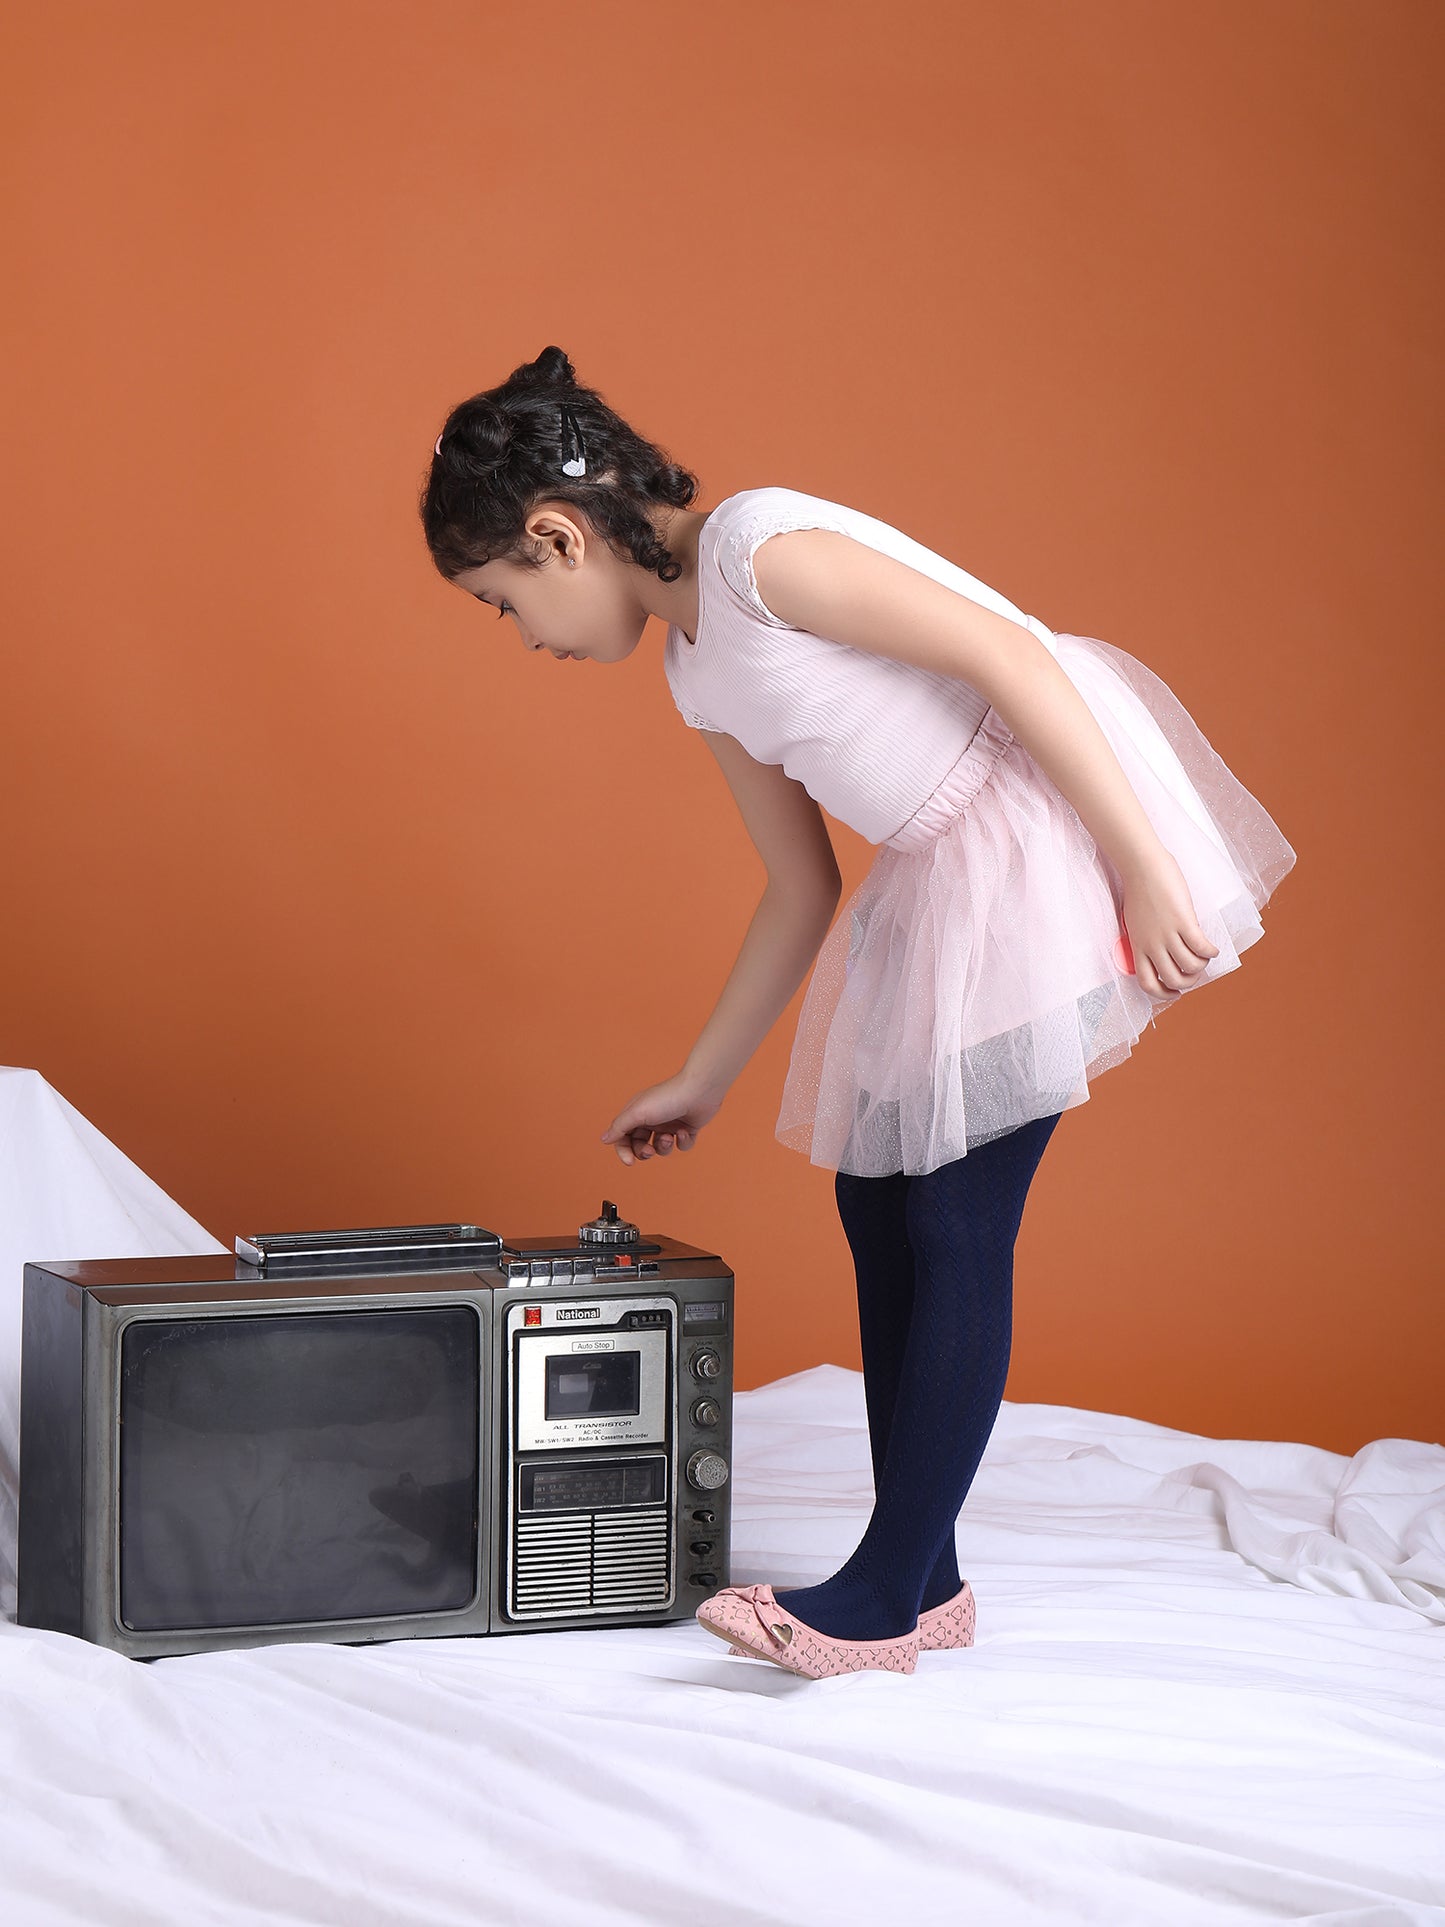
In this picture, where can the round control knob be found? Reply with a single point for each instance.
(609, 1229)
(706, 1364)
(707, 1471)
(706, 1411)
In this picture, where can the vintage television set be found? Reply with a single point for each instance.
(370, 1434)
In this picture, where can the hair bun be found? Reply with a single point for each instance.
(551, 369)
(481, 440)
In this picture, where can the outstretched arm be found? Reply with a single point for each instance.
(787, 929)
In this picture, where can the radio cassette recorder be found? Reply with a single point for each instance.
(413, 1430)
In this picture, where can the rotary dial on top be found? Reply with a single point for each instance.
(609, 1229)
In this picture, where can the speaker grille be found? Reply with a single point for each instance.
(614, 1561)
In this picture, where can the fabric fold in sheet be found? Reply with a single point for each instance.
(65, 1192)
(1382, 1536)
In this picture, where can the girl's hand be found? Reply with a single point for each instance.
(668, 1114)
(1170, 951)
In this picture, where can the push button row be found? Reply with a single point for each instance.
(577, 1271)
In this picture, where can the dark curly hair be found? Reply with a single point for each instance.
(501, 452)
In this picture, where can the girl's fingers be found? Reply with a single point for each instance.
(635, 1142)
(1191, 956)
(1152, 981)
(1199, 943)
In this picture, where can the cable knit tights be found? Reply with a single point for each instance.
(933, 1255)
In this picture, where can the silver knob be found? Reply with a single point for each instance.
(706, 1471)
(609, 1229)
(706, 1364)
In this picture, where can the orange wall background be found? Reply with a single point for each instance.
(331, 905)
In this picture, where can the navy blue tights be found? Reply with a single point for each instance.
(933, 1255)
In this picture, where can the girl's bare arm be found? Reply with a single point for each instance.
(786, 932)
(829, 584)
(790, 922)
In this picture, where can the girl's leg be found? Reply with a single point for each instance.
(872, 1211)
(962, 1221)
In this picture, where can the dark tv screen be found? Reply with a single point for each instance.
(307, 1467)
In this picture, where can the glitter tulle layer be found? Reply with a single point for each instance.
(973, 981)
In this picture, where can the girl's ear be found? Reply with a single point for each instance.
(547, 525)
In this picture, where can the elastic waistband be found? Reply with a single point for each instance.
(966, 778)
(958, 788)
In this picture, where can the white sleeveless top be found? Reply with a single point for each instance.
(889, 748)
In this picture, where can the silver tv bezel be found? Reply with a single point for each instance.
(101, 1610)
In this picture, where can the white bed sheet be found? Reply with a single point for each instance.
(1208, 1686)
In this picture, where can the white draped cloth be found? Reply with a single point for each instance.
(1209, 1686)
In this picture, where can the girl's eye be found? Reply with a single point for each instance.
(503, 609)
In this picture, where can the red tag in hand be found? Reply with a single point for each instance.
(1123, 954)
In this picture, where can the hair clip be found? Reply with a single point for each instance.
(439, 442)
(576, 464)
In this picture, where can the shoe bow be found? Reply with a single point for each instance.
(760, 1598)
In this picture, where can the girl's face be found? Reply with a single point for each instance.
(580, 606)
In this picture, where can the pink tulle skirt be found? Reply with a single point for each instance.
(974, 981)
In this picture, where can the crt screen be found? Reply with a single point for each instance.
(318, 1466)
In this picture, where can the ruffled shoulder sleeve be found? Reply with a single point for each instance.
(749, 519)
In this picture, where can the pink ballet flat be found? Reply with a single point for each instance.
(950, 1624)
(751, 1618)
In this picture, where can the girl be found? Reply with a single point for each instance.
(1060, 854)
